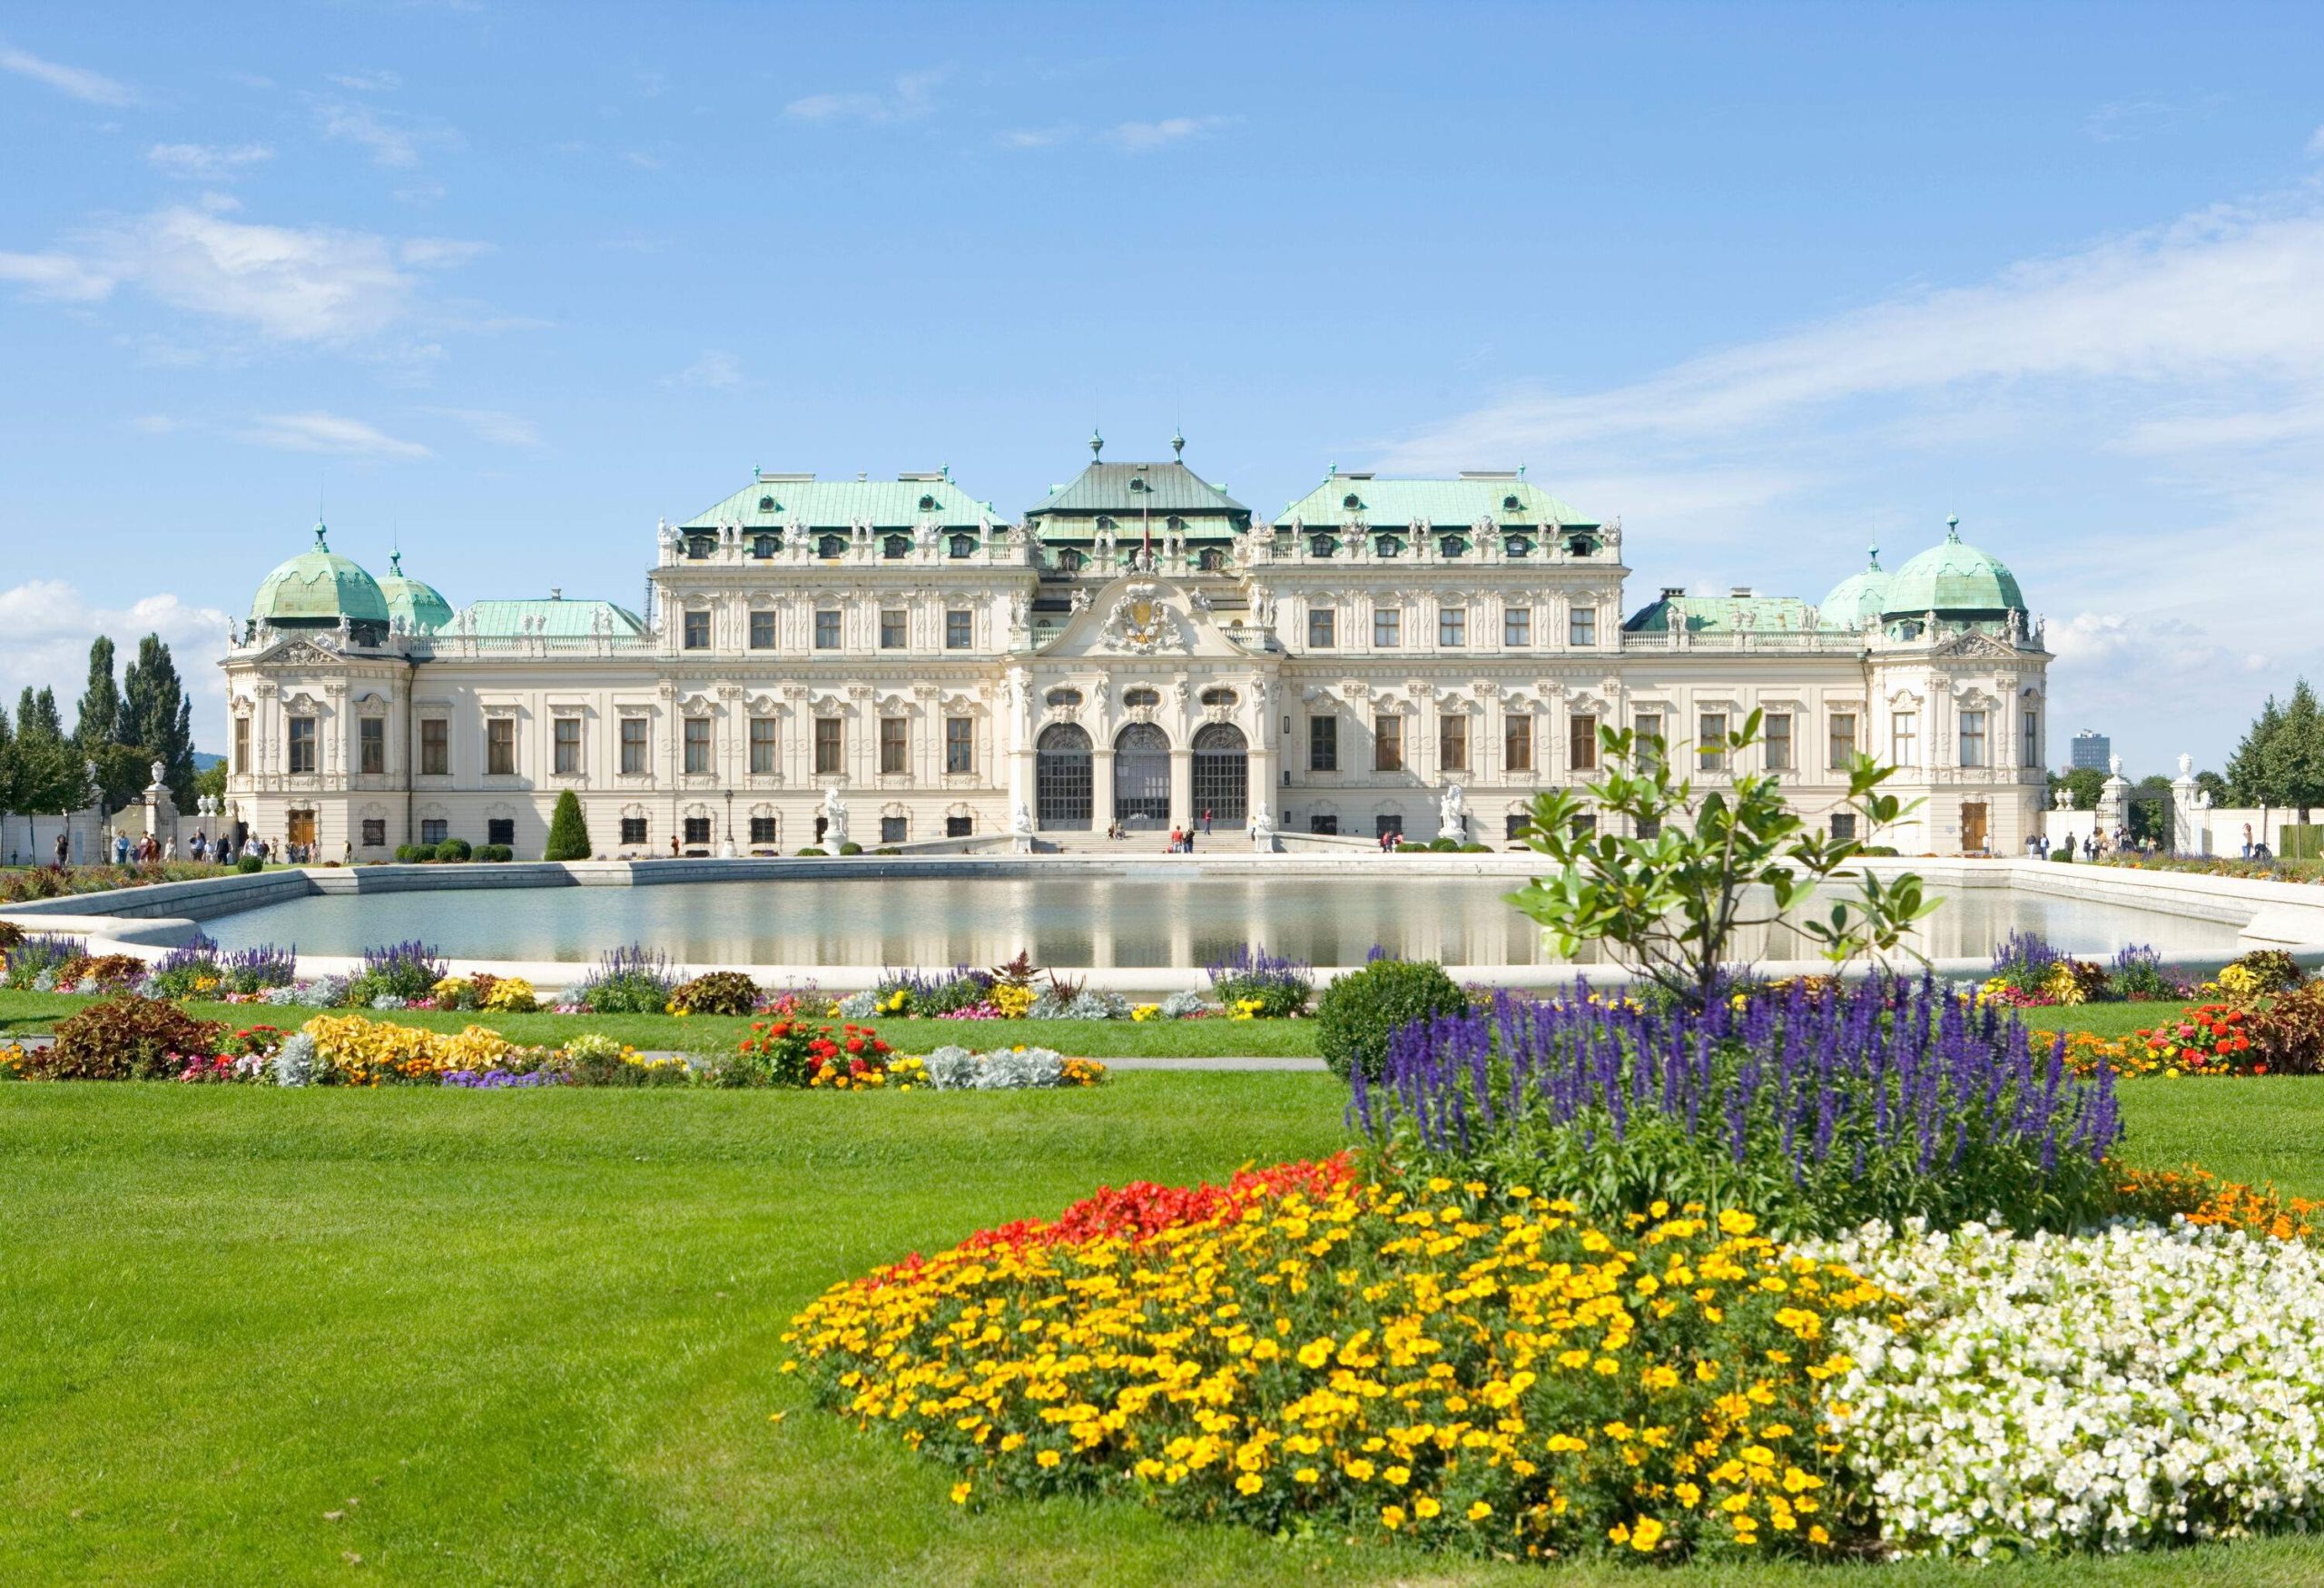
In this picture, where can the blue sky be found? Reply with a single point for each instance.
(509, 283)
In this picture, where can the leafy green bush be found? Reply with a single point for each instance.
(2271, 969)
(812, 849)
(494, 851)
(453, 849)
(850, 847)
(568, 833)
(1443, 845)
(412, 853)
(1360, 1010)
(127, 1038)
(249, 863)
(719, 992)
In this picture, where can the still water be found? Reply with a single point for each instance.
(1124, 922)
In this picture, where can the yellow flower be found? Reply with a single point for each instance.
(1645, 1534)
(1478, 1510)
(1316, 1353)
(1248, 1484)
(960, 1494)
(1392, 1516)
(1305, 1475)
(1426, 1507)
(1049, 1458)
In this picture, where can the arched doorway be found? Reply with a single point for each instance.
(1062, 776)
(1142, 775)
(1222, 775)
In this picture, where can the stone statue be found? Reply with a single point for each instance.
(2186, 766)
(158, 771)
(1020, 830)
(1453, 813)
(1263, 829)
(1020, 610)
(2115, 765)
(667, 533)
(835, 818)
(1081, 599)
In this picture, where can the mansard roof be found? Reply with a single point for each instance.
(1723, 615)
(558, 618)
(1125, 490)
(778, 501)
(1503, 496)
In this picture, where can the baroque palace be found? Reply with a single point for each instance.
(894, 656)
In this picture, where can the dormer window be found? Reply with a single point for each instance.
(928, 504)
(1322, 546)
(831, 547)
(964, 545)
(1174, 523)
(1070, 560)
(1581, 545)
(766, 504)
(1350, 501)
(1517, 545)
(698, 547)
(895, 546)
(1104, 522)
(1509, 505)
(1211, 560)
(1452, 546)
(763, 546)
(1389, 546)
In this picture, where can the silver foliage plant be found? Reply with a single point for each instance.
(952, 1067)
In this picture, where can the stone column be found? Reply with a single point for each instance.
(2114, 800)
(1101, 786)
(2187, 803)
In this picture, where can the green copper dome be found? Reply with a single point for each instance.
(1856, 600)
(416, 604)
(1954, 580)
(316, 588)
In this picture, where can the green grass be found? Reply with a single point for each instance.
(531, 1337)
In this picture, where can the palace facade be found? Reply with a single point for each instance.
(1137, 646)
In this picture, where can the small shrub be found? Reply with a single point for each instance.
(719, 992)
(2287, 1033)
(408, 853)
(810, 849)
(249, 863)
(1360, 1010)
(11, 934)
(850, 847)
(127, 1038)
(453, 849)
(887, 849)
(2270, 970)
(495, 853)
(632, 980)
(1443, 845)
(102, 974)
(1277, 986)
(568, 833)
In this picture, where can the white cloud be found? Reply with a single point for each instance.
(91, 87)
(380, 81)
(2316, 143)
(912, 97)
(156, 424)
(205, 161)
(1034, 137)
(396, 141)
(299, 285)
(329, 432)
(502, 429)
(49, 623)
(1143, 137)
(718, 370)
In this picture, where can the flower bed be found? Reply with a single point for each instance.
(956, 1069)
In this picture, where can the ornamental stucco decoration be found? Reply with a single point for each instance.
(1141, 625)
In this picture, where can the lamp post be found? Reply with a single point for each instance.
(90, 767)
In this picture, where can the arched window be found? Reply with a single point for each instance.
(1061, 781)
(895, 546)
(1142, 774)
(832, 547)
(1211, 560)
(1322, 546)
(1351, 502)
(928, 504)
(964, 545)
(1222, 775)
(1510, 504)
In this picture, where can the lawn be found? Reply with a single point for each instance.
(23, 1013)
(255, 1334)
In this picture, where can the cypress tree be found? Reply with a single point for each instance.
(568, 834)
(2294, 757)
(99, 720)
(157, 717)
(7, 763)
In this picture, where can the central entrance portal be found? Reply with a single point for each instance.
(1062, 776)
(1142, 777)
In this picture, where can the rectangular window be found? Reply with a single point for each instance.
(1710, 742)
(1453, 743)
(1383, 825)
(1649, 828)
(568, 747)
(2032, 756)
(827, 746)
(303, 745)
(1582, 743)
(763, 631)
(959, 826)
(893, 828)
(1322, 628)
(434, 831)
(1452, 626)
(241, 746)
(633, 829)
(697, 746)
(1322, 824)
(697, 829)
(1843, 740)
(1973, 738)
(1904, 738)
(500, 830)
(374, 832)
(1581, 626)
(1645, 739)
(763, 747)
(632, 746)
(892, 627)
(959, 629)
(500, 748)
(1323, 743)
(895, 745)
(1517, 626)
(1778, 742)
(697, 632)
(960, 743)
(1387, 627)
(1844, 826)
(763, 830)
(1585, 826)
(371, 746)
(1516, 742)
(1388, 744)
(827, 630)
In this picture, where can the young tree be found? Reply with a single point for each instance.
(48, 775)
(158, 718)
(99, 719)
(2247, 770)
(568, 835)
(212, 781)
(2293, 758)
(1669, 906)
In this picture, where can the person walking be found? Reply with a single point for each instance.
(63, 851)
(2247, 841)
(1206, 821)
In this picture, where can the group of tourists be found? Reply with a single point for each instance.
(2093, 844)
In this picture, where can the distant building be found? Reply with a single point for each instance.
(2091, 750)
